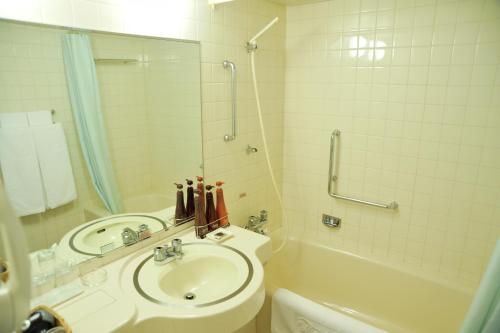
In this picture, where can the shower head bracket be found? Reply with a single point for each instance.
(251, 46)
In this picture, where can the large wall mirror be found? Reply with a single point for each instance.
(95, 127)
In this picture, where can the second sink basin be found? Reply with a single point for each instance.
(206, 275)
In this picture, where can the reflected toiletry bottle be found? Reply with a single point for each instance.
(190, 199)
(200, 221)
(221, 206)
(211, 213)
(180, 209)
(201, 190)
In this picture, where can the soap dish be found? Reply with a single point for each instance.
(219, 235)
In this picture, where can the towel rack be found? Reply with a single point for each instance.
(332, 178)
(232, 66)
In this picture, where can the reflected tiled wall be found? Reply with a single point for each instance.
(32, 79)
(223, 33)
(414, 86)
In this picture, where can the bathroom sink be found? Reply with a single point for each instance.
(206, 275)
(212, 288)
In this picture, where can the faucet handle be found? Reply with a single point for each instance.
(177, 246)
(263, 215)
(159, 255)
(253, 221)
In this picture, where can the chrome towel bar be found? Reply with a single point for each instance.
(232, 66)
(332, 178)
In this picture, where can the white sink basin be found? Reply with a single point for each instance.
(213, 288)
(207, 274)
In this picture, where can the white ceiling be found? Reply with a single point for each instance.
(296, 2)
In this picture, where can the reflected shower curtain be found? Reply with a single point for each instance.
(86, 104)
(484, 312)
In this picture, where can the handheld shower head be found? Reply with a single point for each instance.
(252, 43)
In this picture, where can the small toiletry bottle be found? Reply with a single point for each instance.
(211, 213)
(221, 206)
(190, 199)
(201, 190)
(180, 209)
(200, 221)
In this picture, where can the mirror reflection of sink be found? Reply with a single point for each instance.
(98, 237)
(104, 235)
(206, 275)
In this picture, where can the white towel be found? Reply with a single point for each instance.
(292, 313)
(37, 118)
(55, 165)
(18, 119)
(20, 171)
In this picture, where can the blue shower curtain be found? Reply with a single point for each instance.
(86, 104)
(484, 312)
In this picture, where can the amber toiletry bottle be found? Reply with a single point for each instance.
(190, 199)
(200, 221)
(221, 206)
(211, 213)
(201, 190)
(180, 209)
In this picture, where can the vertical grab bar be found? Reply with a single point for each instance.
(332, 178)
(232, 66)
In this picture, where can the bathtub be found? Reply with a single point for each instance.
(371, 292)
(147, 203)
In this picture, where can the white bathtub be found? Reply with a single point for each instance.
(148, 203)
(374, 293)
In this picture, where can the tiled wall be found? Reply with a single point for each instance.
(31, 79)
(414, 87)
(223, 33)
(172, 88)
(123, 101)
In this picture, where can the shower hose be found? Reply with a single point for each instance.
(268, 160)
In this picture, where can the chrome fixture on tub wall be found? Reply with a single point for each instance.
(257, 223)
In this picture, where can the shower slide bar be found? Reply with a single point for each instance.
(232, 66)
(332, 178)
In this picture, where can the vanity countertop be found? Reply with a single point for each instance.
(109, 308)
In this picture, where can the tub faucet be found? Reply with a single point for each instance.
(256, 223)
(164, 254)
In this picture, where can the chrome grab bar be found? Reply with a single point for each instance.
(232, 66)
(332, 178)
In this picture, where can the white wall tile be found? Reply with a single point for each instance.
(423, 142)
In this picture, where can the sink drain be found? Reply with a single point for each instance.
(189, 296)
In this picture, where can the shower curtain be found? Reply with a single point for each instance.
(484, 312)
(86, 104)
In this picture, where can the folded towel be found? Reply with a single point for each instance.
(292, 313)
(38, 118)
(21, 171)
(55, 165)
(18, 119)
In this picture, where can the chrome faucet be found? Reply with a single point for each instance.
(164, 254)
(129, 236)
(256, 223)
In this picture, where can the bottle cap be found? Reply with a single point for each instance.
(189, 182)
(199, 178)
(179, 186)
(209, 187)
(219, 183)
